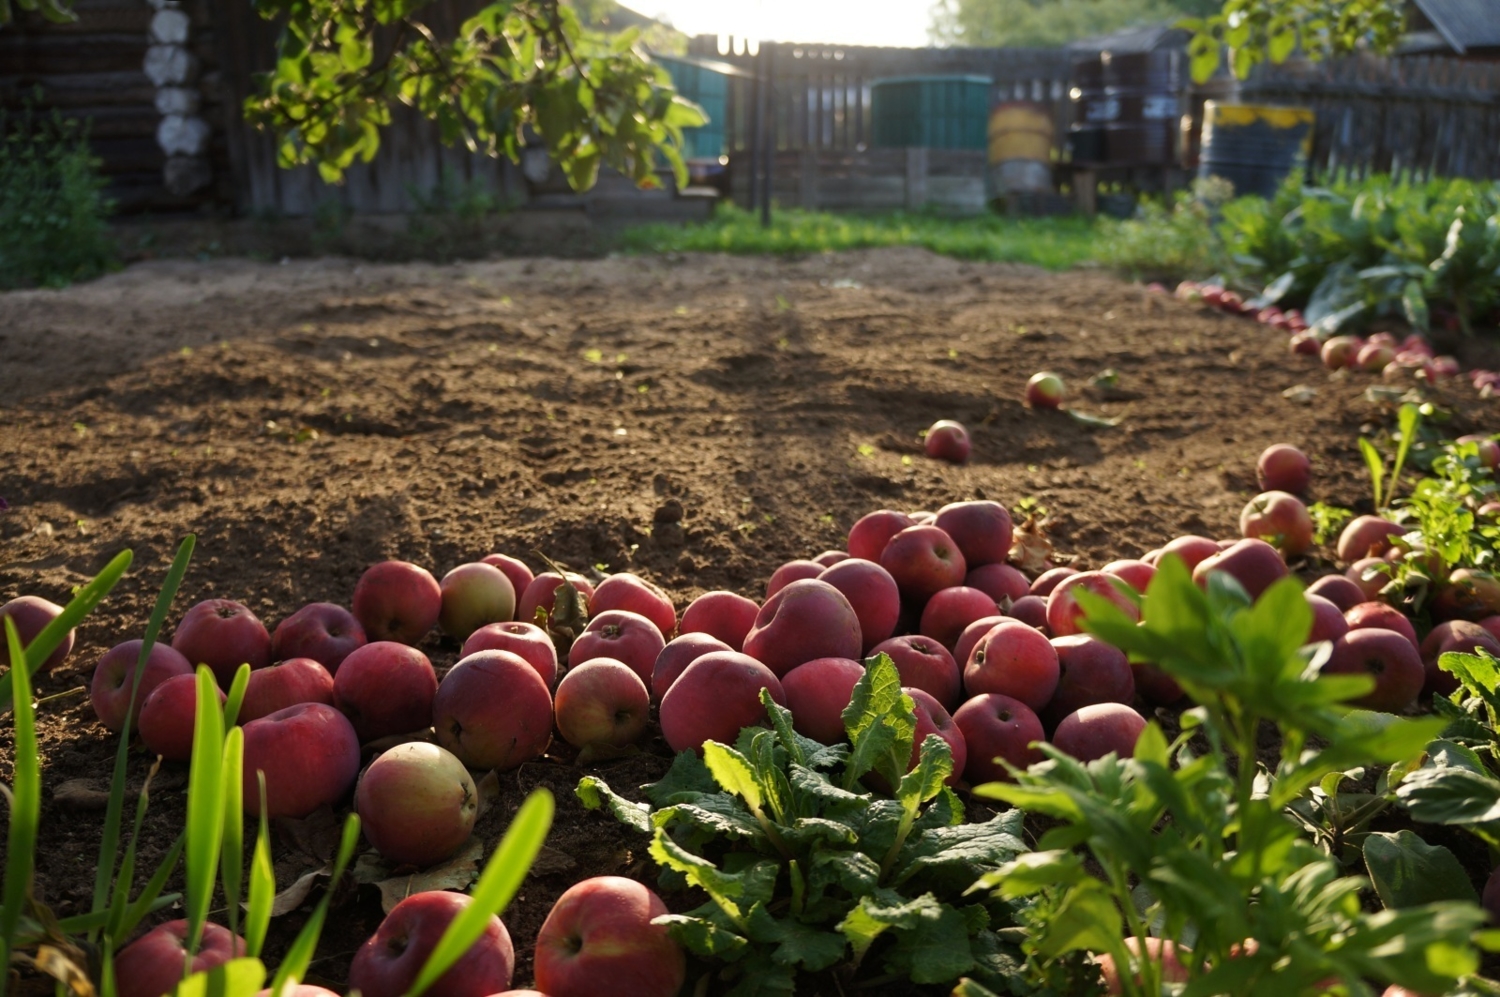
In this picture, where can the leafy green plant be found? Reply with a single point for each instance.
(1191, 840)
(807, 870)
(52, 204)
(1162, 242)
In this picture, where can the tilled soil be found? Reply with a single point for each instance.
(698, 420)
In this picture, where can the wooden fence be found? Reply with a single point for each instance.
(1415, 118)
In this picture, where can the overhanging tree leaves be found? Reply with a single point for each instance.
(1253, 31)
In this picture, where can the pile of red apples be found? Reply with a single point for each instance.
(994, 660)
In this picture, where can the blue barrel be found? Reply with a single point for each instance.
(710, 91)
(1254, 147)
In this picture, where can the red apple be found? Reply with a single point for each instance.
(1065, 615)
(817, 692)
(1280, 519)
(1340, 351)
(868, 536)
(602, 701)
(169, 715)
(1378, 615)
(715, 697)
(997, 727)
(309, 754)
(1389, 658)
(416, 804)
(599, 938)
(1193, 550)
(385, 688)
(808, 619)
(397, 601)
(1469, 595)
(923, 560)
(677, 655)
(1050, 579)
(872, 593)
(1303, 343)
(389, 963)
(526, 639)
(1089, 672)
(1366, 536)
(286, 683)
(515, 569)
(1253, 563)
(1032, 611)
(1373, 357)
(1095, 731)
(982, 530)
(1459, 636)
(152, 965)
(947, 440)
(1014, 660)
(493, 711)
(727, 616)
(790, 572)
(971, 636)
(1166, 953)
(222, 634)
(831, 557)
(1370, 575)
(114, 677)
(1000, 582)
(932, 718)
(924, 663)
(541, 595)
(1044, 390)
(950, 610)
(475, 595)
(623, 636)
(1328, 623)
(634, 594)
(1338, 590)
(1283, 468)
(1489, 451)
(1156, 686)
(1136, 574)
(321, 631)
(303, 990)
(31, 615)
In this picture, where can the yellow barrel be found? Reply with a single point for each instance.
(1020, 130)
(1254, 146)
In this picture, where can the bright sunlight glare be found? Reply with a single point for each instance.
(850, 22)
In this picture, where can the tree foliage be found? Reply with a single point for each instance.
(1050, 23)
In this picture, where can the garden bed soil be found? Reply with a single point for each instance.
(698, 420)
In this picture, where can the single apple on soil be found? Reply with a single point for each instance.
(1048, 580)
(1001, 582)
(1032, 611)
(727, 616)
(1044, 390)
(817, 692)
(1089, 672)
(1328, 623)
(284, 684)
(389, 963)
(808, 619)
(152, 965)
(541, 594)
(475, 595)
(831, 557)
(1338, 590)
(526, 639)
(1136, 574)
(322, 631)
(997, 727)
(714, 697)
(493, 711)
(934, 718)
(309, 754)
(385, 688)
(397, 601)
(222, 634)
(1380, 616)
(1193, 550)
(31, 614)
(677, 655)
(603, 702)
(600, 930)
(114, 677)
(873, 595)
(1386, 656)
(169, 715)
(1369, 575)
(1280, 519)
(416, 804)
(947, 440)
(964, 647)
(1253, 563)
(1283, 468)
(1366, 536)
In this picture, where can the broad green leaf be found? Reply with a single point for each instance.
(796, 944)
(1450, 795)
(1408, 872)
(926, 780)
(1033, 872)
(881, 722)
(1086, 920)
(1376, 466)
(935, 949)
(687, 779)
(723, 888)
(956, 856)
(702, 937)
(595, 793)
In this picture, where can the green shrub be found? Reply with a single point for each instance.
(52, 204)
(1161, 243)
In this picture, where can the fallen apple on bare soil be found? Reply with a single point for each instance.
(526, 639)
(817, 693)
(808, 619)
(598, 938)
(493, 711)
(388, 964)
(997, 727)
(1280, 519)
(169, 715)
(714, 697)
(1044, 390)
(952, 609)
(416, 804)
(983, 531)
(790, 572)
(475, 595)
(947, 440)
(284, 684)
(322, 631)
(923, 560)
(1014, 660)
(727, 616)
(114, 677)
(924, 663)
(222, 634)
(677, 655)
(1089, 672)
(397, 601)
(633, 594)
(31, 614)
(1387, 657)
(309, 755)
(385, 688)
(621, 635)
(872, 594)
(152, 965)
(1095, 731)
(602, 702)
(870, 533)
(1063, 611)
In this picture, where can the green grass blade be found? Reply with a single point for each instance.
(94, 920)
(148, 900)
(262, 882)
(501, 878)
(1410, 420)
(73, 613)
(299, 955)
(236, 696)
(1377, 469)
(205, 807)
(104, 871)
(121, 898)
(25, 799)
(232, 855)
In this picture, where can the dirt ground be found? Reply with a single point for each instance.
(697, 420)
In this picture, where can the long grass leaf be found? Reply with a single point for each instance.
(151, 898)
(109, 844)
(232, 854)
(92, 921)
(299, 956)
(120, 899)
(236, 696)
(1376, 467)
(1410, 420)
(502, 877)
(205, 807)
(262, 882)
(73, 613)
(25, 804)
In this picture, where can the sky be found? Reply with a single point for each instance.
(852, 22)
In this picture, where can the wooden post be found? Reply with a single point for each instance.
(768, 127)
(807, 178)
(757, 138)
(916, 178)
(1085, 191)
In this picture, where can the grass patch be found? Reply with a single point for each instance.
(1052, 243)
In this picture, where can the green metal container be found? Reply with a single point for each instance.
(710, 91)
(938, 112)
